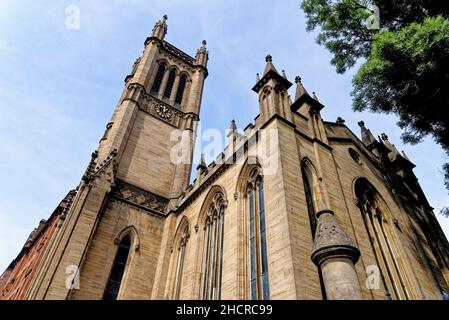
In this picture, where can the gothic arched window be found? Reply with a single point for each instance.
(180, 262)
(170, 82)
(375, 213)
(158, 79)
(181, 87)
(257, 242)
(213, 250)
(118, 269)
(309, 199)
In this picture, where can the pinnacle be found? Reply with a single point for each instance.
(202, 163)
(233, 125)
(269, 66)
(283, 74)
(300, 90)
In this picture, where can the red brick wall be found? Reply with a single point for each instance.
(15, 282)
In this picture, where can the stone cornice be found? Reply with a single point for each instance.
(142, 199)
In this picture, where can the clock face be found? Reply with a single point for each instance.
(164, 112)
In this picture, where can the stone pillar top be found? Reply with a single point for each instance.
(331, 241)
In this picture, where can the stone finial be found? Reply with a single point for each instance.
(394, 153)
(283, 74)
(315, 96)
(164, 17)
(271, 74)
(91, 167)
(233, 125)
(203, 160)
(340, 120)
(233, 132)
(367, 136)
(405, 156)
(300, 90)
(269, 66)
(202, 55)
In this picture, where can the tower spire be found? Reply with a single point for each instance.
(269, 73)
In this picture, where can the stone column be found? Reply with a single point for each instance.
(160, 94)
(174, 90)
(336, 255)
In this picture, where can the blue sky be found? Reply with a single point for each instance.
(58, 88)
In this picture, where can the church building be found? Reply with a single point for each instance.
(295, 207)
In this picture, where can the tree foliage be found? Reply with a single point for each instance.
(405, 67)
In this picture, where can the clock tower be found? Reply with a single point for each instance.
(154, 125)
(135, 177)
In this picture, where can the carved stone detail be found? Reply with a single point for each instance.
(107, 168)
(139, 197)
(178, 53)
(90, 171)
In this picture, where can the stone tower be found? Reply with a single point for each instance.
(142, 162)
